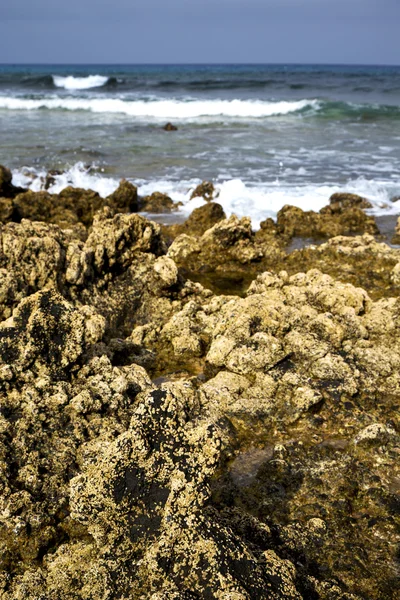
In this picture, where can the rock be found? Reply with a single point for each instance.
(255, 457)
(359, 260)
(50, 178)
(167, 270)
(96, 480)
(7, 189)
(229, 242)
(158, 203)
(6, 210)
(125, 198)
(340, 201)
(84, 203)
(197, 223)
(71, 206)
(376, 434)
(183, 247)
(35, 206)
(340, 218)
(204, 190)
(204, 218)
(46, 333)
(170, 127)
(31, 255)
(114, 240)
(396, 236)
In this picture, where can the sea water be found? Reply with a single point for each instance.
(266, 135)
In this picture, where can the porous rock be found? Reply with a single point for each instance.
(336, 219)
(266, 463)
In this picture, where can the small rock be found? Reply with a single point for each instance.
(158, 202)
(204, 190)
(170, 127)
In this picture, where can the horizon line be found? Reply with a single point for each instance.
(194, 64)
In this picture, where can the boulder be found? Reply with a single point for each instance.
(340, 218)
(158, 202)
(125, 198)
(341, 201)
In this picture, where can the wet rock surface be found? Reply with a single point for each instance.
(159, 439)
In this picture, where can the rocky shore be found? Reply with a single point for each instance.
(196, 410)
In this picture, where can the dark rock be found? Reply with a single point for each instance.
(204, 218)
(50, 178)
(205, 190)
(6, 210)
(342, 200)
(71, 206)
(158, 202)
(340, 218)
(170, 127)
(84, 203)
(125, 198)
(7, 189)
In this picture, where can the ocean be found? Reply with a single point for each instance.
(266, 135)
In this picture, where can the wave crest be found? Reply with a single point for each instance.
(79, 83)
(164, 109)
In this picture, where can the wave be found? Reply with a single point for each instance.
(236, 196)
(193, 109)
(357, 111)
(164, 109)
(78, 176)
(79, 83)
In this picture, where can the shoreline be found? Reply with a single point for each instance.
(197, 409)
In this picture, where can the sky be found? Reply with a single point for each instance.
(200, 31)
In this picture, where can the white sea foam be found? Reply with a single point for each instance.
(79, 83)
(236, 197)
(164, 109)
(78, 176)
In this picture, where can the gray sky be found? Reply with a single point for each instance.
(181, 31)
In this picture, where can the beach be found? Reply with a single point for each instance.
(199, 356)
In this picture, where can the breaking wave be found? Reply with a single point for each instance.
(79, 83)
(164, 109)
(236, 196)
